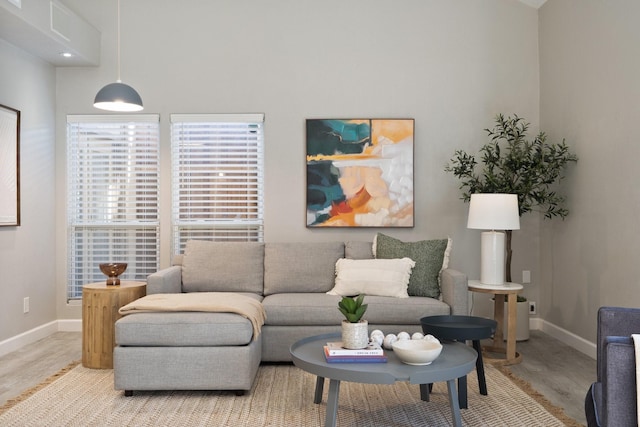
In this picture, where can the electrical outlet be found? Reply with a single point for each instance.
(25, 305)
(532, 307)
(526, 276)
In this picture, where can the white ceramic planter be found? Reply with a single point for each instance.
(355, 335)
(522, 321)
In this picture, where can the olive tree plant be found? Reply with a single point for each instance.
(512, 164)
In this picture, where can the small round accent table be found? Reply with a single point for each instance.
(100, 305)
(510, 291)
(462, 328)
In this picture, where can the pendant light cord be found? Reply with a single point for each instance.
(118, 38)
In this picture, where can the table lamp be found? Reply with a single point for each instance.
(495, 212)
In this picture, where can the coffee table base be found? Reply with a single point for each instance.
(334, 392)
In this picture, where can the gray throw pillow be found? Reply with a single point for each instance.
(428, 256)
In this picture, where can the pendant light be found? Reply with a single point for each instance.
(118, 96)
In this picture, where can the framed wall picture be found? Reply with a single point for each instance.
(360, 172)
(9, 166)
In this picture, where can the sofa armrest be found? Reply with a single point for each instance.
(455, 292)
(166, 281)
(619, 382)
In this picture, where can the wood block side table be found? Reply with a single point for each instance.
(100, 305)
(510, 291)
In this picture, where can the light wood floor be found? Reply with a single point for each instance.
(556, 370)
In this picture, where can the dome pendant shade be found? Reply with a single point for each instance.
(118, 97)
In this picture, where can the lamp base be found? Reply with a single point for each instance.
(492, 264)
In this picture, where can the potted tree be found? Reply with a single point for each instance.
(522, 319)
(355, 330)
(512, 164)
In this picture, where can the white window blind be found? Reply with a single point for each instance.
(217, 177)
(113, 186)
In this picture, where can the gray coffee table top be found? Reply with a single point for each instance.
(455, 360)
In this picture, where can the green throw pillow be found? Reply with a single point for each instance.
(428, 256)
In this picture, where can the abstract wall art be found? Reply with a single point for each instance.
(360, 172)
(9, 166)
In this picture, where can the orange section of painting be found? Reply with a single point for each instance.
(395, 130)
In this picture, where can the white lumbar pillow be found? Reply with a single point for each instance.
(381, 277)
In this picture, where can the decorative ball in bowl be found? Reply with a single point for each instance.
(417, 352)
(113, 270)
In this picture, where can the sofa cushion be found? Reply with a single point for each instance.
(318, 309)
(396, 311)
(358, 250)
(429, 255)
(223, 267)
(183, 329)
(300, 267)
(297, 309)
(383, 277)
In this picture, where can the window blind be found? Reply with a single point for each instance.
(113, 189)
(217, 177)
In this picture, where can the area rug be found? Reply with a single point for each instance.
(282, 395)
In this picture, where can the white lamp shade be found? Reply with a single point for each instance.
(493, 211)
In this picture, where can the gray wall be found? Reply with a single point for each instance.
(28, 252)
(450, 65)
(590, 92)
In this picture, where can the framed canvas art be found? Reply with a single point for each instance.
(360, 172)
(9, 166)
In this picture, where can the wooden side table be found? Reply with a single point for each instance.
(510, 290)
(100, 305)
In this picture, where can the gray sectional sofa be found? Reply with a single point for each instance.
(218, 351)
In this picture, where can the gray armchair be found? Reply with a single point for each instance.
(611, 401)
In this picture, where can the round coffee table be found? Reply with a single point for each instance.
(455, 361)
(462, 328)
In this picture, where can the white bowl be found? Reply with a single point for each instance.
(417, 352)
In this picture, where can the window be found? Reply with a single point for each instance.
(217, 177)
(112, 187)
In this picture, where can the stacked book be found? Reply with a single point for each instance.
(334, 352)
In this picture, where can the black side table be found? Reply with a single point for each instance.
(462, 328)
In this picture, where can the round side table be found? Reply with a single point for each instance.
(100, 305)
(462, 329)
(510, 291)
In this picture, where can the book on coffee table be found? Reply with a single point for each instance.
(336, 349)
(353, 358)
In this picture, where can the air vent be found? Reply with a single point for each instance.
(61, 21)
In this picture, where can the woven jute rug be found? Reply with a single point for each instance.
(282, 395)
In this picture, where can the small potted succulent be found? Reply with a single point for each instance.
(355, 330)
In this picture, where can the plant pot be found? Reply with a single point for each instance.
(522, 321)
(355, 335)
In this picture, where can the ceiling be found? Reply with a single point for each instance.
(47, 29)
(533, 3)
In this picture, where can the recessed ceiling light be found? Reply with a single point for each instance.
(66, 54)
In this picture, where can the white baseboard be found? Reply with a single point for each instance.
(569, 338)
(70, 325)
(35, 334)
(75, 325)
